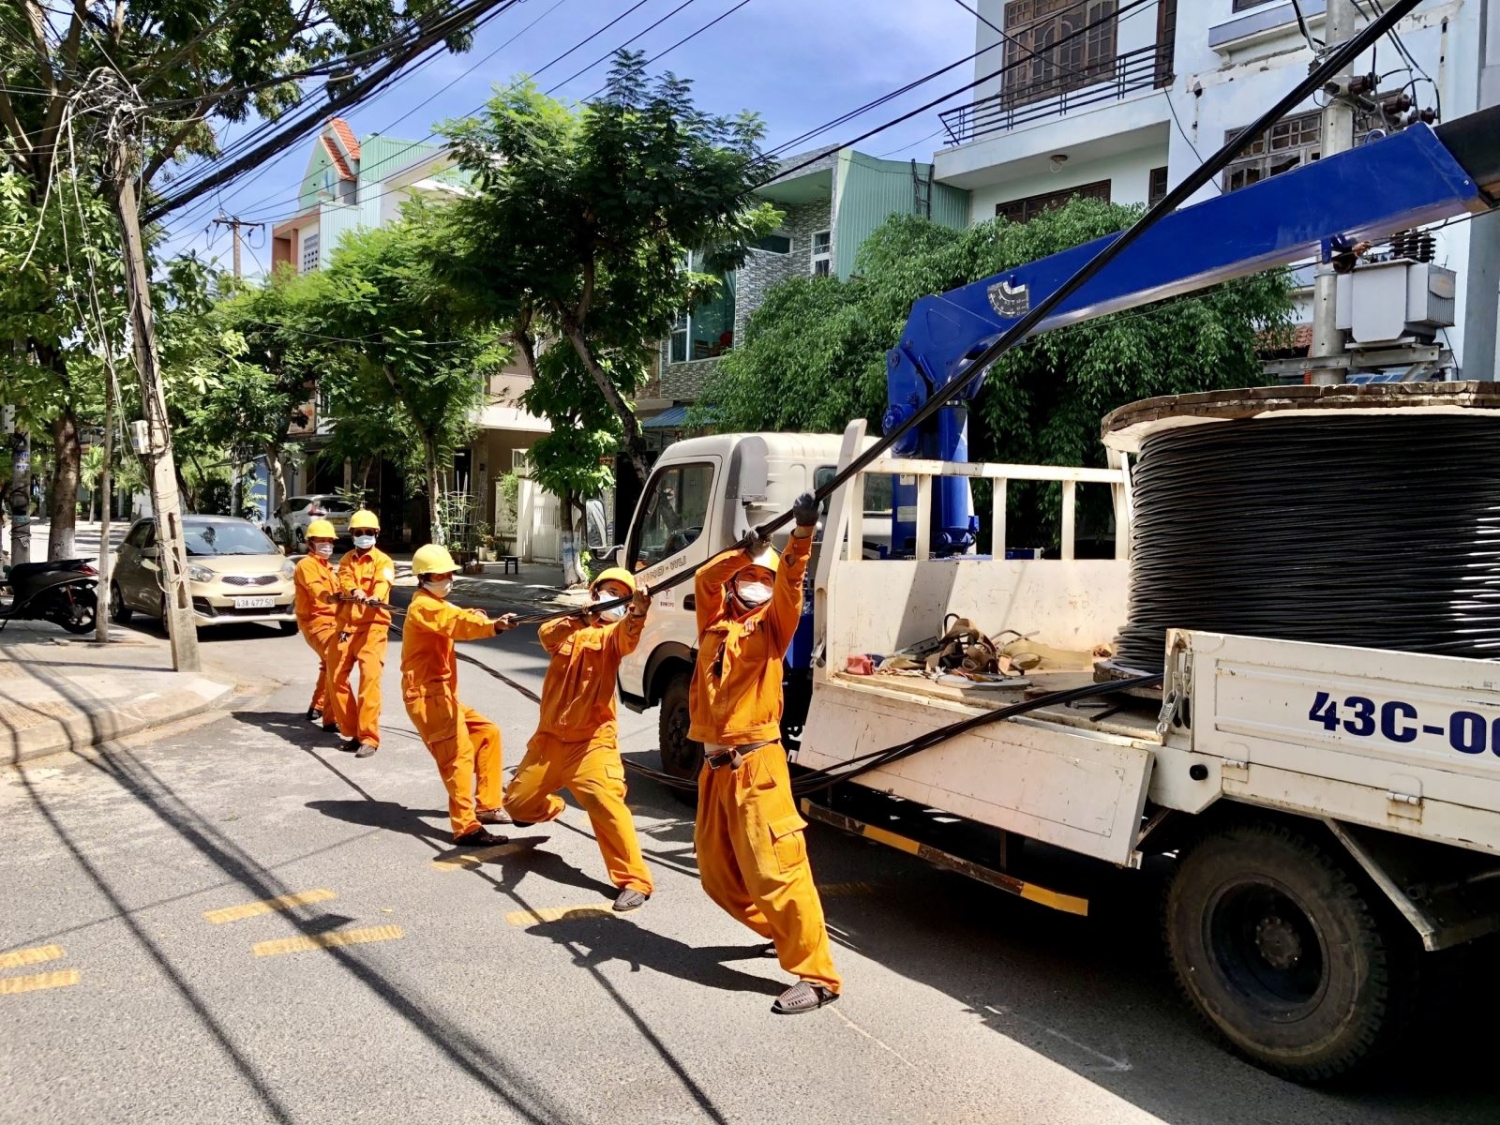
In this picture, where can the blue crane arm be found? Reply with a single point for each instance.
(1406, 180)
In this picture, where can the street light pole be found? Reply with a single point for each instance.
(1338, 136)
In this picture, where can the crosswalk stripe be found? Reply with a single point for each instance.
(556, 914)
(33, 956)
(325, 941)
(267, 905)
(37, 981)
(478, 857)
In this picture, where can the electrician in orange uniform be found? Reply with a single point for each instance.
(752, 858)
(465, 745)
(576, 745)
(317, 619)
(365, 575)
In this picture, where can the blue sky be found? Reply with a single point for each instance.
(798, 63)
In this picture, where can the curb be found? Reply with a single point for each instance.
(76, 731)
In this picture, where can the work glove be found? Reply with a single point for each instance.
(640, 602)
(806, 510)
(504, 623)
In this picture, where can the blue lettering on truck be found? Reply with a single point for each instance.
(1467, 732)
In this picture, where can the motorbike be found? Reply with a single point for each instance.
(62, 592)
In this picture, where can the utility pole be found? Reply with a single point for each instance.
(106, 500)
(1482, 309)
(177, 609)
(234, 224)
(1338, 136)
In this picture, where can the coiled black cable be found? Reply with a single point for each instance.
(1380, 531)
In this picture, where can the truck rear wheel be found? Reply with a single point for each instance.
(1284, 954)
(680, 755)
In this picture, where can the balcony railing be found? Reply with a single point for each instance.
(1059, 93)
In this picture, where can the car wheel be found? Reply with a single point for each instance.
(680, 755)
(1285, 953)
(287, 627)
(118, 610)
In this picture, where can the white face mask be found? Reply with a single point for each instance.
(438, 587)
(364, 542)
(615, 614)
(753, 594)
(322, 550)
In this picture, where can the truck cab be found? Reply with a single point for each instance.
(703, 496)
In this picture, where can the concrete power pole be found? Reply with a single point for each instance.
(171, 549)
(1338, 136)
(1482, 283)
(234, 224)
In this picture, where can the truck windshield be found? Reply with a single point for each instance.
(673, 515)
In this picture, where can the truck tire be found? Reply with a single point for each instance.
(680, 755)
(1283, 953)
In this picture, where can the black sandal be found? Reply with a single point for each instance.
(804, 996)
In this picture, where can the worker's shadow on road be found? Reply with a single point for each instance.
(594, 940)
(387, 815)
(548, 865)
(293, 727)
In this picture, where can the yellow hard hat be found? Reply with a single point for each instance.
(768, 559)
(432, 559)
(321, 529)
(614, 574)
(363, 520)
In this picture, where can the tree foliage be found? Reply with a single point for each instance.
(814, 355)
(577, 229)
(412, 354)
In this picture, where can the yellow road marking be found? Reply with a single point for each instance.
(838, 890)
(325, 941)
(556, 914)
(33, 956)
(266, 906)
(36, 981)
(463, 861)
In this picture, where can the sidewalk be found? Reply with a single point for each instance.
(65, 693)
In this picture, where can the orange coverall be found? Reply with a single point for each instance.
(752, 858)
(464, 744)
(317, 619)
(576, 745)
(368, 627)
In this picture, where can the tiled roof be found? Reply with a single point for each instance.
(338, 159)
(1299, 341)
(346, 136)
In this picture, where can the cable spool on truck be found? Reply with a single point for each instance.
(1301, 703)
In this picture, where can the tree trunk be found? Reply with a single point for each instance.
(104, 488)
(635, 444)
(276, 464)
(434, 497)
(20, 497)
(568, 543)
(62, 512)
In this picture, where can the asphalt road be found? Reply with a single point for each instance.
(408, 984)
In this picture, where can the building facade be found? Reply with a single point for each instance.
(1128, 105)
(831, 201)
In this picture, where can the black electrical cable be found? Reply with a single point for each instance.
(815, 781)
(1378, 532)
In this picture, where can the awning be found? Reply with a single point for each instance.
(672, 418)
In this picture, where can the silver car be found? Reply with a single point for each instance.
(235, 573)
(289, 524)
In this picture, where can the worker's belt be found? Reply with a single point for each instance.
(732, 756)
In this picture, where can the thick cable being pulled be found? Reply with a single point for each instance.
(1378, 532)
(815, 781)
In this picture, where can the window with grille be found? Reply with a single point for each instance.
(1024, 210)
(1039, 64)
(1158, 190)
(309, 251)
(1288, 144)
(822, 253)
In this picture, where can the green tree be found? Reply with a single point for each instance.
(414, 353)
(183, 69)
(580, 220)
(815, 352)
